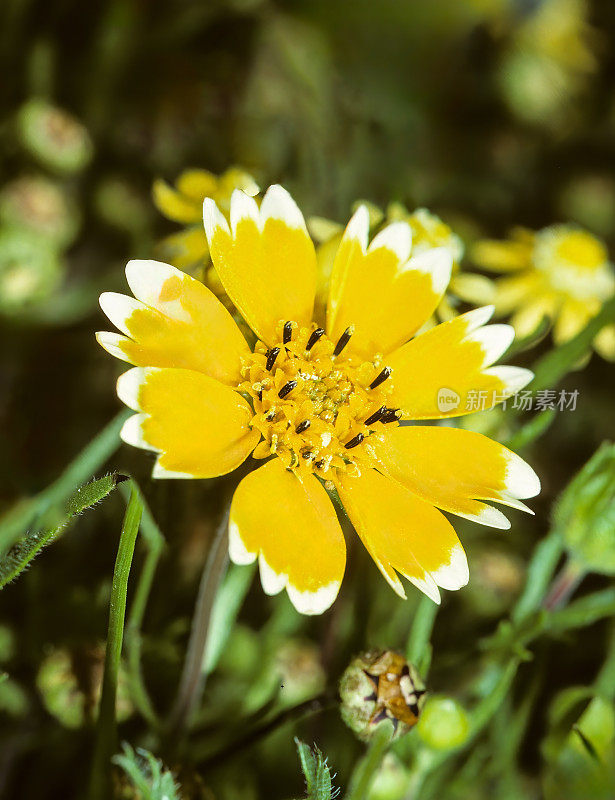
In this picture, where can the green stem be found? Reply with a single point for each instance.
(418, 647)
(564, 585)
(541, 568)
(366, 768)
(193, 677)
(106, 736)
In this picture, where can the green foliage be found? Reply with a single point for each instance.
(585, 513)
(316, 771)
(21, 555)
(147, 774)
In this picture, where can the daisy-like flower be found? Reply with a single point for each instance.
(188, 249)
(428, 232)
(562, 273)
(320, 399)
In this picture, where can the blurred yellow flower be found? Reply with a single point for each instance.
(188, 249)
(561, 272)
(322, 393)
(428, 231)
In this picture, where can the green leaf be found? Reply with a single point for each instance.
(317, 774)
(585, 513)
(147, 774)
(21, 555)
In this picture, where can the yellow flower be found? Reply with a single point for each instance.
(428, 231)
(324, 397)
(188, 249)
(561, 272)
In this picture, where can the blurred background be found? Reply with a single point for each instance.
(491, 113)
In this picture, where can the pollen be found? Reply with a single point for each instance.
(315, 403)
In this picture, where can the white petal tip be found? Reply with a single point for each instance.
(112, 343)
(237, 550)
(213, 220)
(129, 386)
(396, 237)
(278, 204)
(312, 603)
(132, 432)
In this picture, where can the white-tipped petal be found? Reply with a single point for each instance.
(494, 340)
(119, 308)
(521, 480)
(236, 548)
(243, 207)
(271, 582)
(513, 378)
(132, 433)
(477, 317)
(213, 219)
(313, 602)
(129, 385)
(278, 204)
(489, 516)
(427, 585)
(437, 263)
(159, 472)
(112, 342)
(358, 227)
(455, 574)
(396, 237)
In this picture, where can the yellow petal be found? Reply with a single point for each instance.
(529, 315)
(404, 534)
(476, 289)
(174, 205)
(266, 260)
(186, 248)
(517, 290)
(501, 256)
(380, 290)
(291, 526)
(198, 426)
(197, 184)
(454, 469)
(174, 322)
(446, 372)
(572, 318)
(604, 343)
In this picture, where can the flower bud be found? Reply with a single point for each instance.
(54, 137)
(29, 270)
(444, 724)
(381, 685)
(37, 204)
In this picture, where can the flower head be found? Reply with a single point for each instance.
(562, 273)
(323, 395)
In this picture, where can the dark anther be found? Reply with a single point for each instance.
(271, 357)
(286, 389)
(320, 464)
(315, 336)
(376, 415)
(405, 670)
(390, 415)
(343, 340)
(287, 333)
(260, 395)
(303, 426)
(270, 415)
(355, 441)
(306, 454)
(381, 378)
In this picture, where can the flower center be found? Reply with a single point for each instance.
(315, 404)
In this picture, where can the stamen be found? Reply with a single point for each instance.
(307, 454)
(355, 441)
(320, 464)
(270, 414)
(287, 333)
(376, 416)
(381, 378)
(286, 389)
(343, 340)
(314, 338)
(260, 395)
(303, 426)
(271, 357)
(391, 415)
